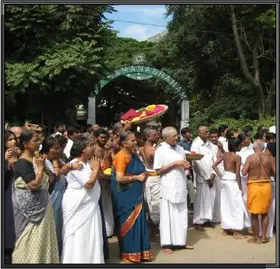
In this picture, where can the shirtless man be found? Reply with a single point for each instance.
(232, 205)
(259, 168)
(152, 186)
(104, 155)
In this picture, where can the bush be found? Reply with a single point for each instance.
(233, 123)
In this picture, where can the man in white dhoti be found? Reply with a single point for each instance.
(233, 209)
(218, 146)
(204, 176)
(244, 153)
(170, 162)
(152, 185)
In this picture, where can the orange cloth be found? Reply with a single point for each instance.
(121, 161)
(258, 196)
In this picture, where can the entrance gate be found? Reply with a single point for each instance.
(140, 72)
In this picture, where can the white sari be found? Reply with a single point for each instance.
(82, 226)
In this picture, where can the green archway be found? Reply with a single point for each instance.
(142, 72)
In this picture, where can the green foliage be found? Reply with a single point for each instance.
(51, 50)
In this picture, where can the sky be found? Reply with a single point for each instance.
(131, 20)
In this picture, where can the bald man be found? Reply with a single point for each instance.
(205, 178)
(259, 167)
(170, 162)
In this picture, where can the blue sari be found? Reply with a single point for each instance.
(56, 198)
(129, 214)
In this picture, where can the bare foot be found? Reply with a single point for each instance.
(199, 228)
(265, 240)
(167, 251)
(254, 241)
(225, 233)
(189, 247)
(239, 236)
(250, 231)
(126, 261)
(211, 225)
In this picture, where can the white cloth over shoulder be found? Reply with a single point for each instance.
(233, 210)
(68, 147)
(82, 226)
(152, 194)
(173, 184)
(224, 141)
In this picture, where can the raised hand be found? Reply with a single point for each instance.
(95, 163)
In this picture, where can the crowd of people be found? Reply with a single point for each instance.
(67, 193)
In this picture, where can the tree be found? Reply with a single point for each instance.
(202, 53)
(54, 56)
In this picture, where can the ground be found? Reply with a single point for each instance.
(210, 247)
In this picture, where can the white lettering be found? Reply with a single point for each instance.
(173, 83)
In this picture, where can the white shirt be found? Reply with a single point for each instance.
(224, 141)
(203, 168)
(173, 184)
(244, 153)
(56, 133)
(68, 148)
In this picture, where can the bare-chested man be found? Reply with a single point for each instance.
(259, 168)
(233, 209)
(105, 156)
(152, 185)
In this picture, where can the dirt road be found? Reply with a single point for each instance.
(210, 247)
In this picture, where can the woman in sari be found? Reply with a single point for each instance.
(33, 214)
(82, 225)
(128, 175)
(11, 155)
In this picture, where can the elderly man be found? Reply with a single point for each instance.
(259, 167)
(170, 162)
(205, 178)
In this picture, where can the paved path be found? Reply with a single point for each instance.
(210, 247)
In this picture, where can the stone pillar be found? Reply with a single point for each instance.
(185, 113)
(91, 110)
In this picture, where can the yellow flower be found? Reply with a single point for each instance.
(107, 172)
(136, 119)
(150, 107)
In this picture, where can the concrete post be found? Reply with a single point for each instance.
(91, 110)
(185, 113)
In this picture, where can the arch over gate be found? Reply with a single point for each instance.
(141, 72)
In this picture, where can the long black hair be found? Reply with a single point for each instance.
(47, 144)
(25, 137)
(8, 133)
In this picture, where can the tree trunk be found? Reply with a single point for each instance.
(254, 80)
(270, 96)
